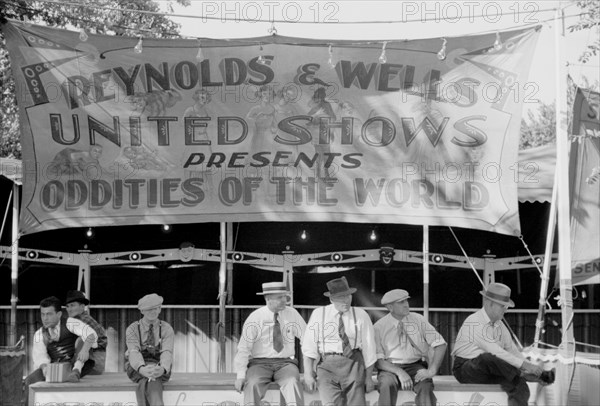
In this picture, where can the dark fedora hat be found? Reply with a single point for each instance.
(339, 287)
(76, 296)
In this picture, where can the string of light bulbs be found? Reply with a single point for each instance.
(273, 21)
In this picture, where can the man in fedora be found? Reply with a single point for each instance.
(76, 307)
(149, 352)
(339, 344)
(403, 341)
(485, 353)
(266, 349)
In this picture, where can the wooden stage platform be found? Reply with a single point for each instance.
(211, 389)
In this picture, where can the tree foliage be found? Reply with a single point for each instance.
(589, 19)
(110, 19)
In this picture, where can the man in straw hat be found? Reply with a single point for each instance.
(266, 349)
(485, 353)
(339, 344)
(149, 352)
(403, 341)
(76, 307)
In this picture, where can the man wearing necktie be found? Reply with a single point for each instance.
(149, 352)
(484, 351)
(266, 351)
(56, 341)
(403, 341)
(339, 349)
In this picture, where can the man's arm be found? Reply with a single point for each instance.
(39, 352)
(250, 333)
(166, 350)
(87, 334)
(132, 340)
(434, 364)
(310, 376)
(404, 379)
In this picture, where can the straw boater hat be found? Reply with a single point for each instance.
(339, 287)
(394, 296)
(76, 296)
(499, 293)
(273, 288)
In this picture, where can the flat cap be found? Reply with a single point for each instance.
(150, 301)
(394, 296)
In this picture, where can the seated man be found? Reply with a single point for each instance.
(265, 352)
(403, 340)
(149, 352)
(75, 304)
(485, 353)
(56, 342)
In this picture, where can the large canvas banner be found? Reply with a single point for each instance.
(584, 185)
(122, 131)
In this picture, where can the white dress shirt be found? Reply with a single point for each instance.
(79, 328)
(323, 338)
(391, 348)
(478, 335)
(256, 340)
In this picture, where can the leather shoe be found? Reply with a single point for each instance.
(74, 376)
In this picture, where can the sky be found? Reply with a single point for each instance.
(412, 19)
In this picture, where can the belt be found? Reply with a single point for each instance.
(328, 354)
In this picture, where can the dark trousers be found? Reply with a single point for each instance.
(88, 368)
(487, 368)
(389, 386)
(341, 380)
(147, 393)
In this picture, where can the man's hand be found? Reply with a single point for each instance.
(146, 371)
(424, 374)
(157, 371)
(369, 384)
(309, 381)
(529, 368)
(83, 356)
(405, 382)
(239, 384)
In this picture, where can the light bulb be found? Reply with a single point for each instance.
(330, 61)
(83, 35)
(199, 55)
(261, 59)
(303, 236)
(383, 57)
(139, 47)
(166, 228)
(373, 236)
(89, 233)
(498, 42)
(441, 55)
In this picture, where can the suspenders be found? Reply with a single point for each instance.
(323, 331)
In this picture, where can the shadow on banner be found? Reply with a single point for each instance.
(12, 360)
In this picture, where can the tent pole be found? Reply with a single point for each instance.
(567, 348)
(539, 324)
(222, 295)
(14, 262)
(426, 272)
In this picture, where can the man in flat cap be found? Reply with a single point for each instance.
(485, 353)
(149, 352)
(76, 307)
(339, 344)
(265, 352)
(403, 341)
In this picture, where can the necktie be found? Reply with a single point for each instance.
(403, 337)
(150, 340)
(277, 339)
(347, 350)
